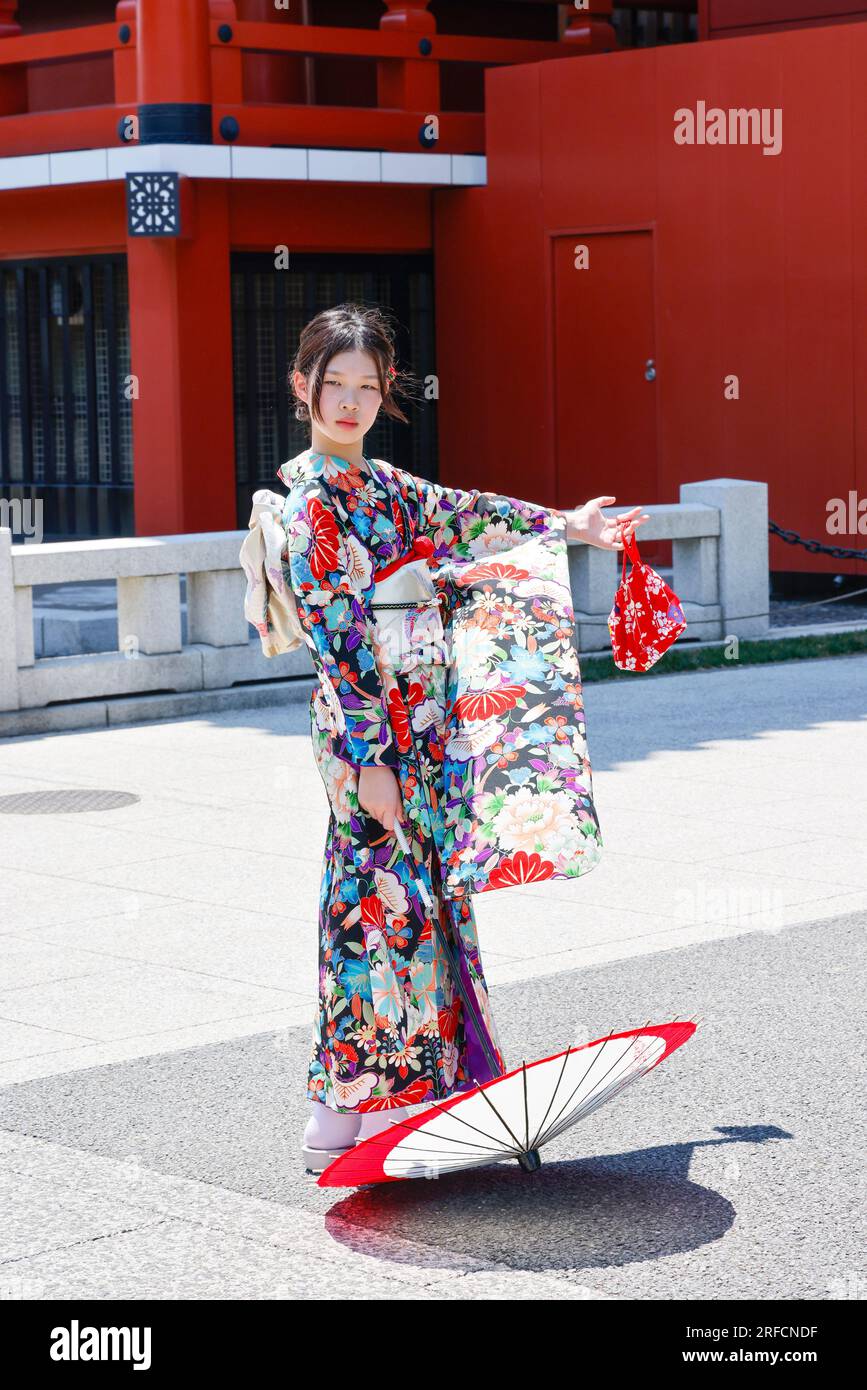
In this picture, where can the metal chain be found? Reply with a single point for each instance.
(838, 551)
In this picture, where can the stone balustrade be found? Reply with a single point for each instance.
(719, 534)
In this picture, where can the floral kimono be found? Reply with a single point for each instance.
(484, 731)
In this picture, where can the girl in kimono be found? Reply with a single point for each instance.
(389, 1030)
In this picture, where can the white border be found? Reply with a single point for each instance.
(311, 165)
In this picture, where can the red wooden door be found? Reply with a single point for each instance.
(605, 369)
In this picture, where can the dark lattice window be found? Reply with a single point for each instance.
(269, 309)
(65, 416)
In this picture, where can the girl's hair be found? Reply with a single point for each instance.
(342, 329)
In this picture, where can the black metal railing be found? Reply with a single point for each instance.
(651, 28)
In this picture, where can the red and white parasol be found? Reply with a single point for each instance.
(511, 1116)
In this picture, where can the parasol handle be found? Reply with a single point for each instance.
(400, 835)
(470, 1006)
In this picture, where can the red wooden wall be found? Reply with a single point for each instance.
(710, 259)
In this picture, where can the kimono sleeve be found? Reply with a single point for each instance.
(331, 574)
(453, 517)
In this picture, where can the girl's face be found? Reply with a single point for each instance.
(348, 403)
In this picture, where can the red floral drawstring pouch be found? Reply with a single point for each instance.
(646, 616)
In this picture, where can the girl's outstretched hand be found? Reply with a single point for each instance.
(379, 795)
(589, 523)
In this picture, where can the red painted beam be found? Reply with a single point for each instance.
(385, 218)
(58, 221)
(59, 44)
(95, 127)
(350, 127)
(38, 132)
(376, 43)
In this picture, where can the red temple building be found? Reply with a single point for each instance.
(626, 245)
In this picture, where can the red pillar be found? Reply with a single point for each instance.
(273, 76)
(411, 84)
(181, 360)
(591, 29)
(174, 71)
(179, 300)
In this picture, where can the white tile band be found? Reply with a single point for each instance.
(243, 162)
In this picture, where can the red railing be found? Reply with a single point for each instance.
(407, 63)
(78, 128)
(408, 86)
(16, 49)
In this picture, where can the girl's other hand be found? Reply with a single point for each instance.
(590, 524)
(379, 795)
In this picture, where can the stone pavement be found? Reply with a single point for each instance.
(157, 985)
